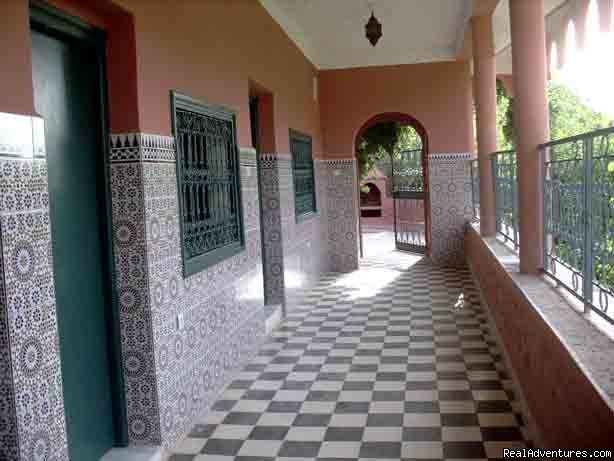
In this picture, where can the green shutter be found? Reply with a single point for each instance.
(302, 173)
(209, 185)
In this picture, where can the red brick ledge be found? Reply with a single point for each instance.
(564, 364)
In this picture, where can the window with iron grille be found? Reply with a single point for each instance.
(209, 184)
(302, 173)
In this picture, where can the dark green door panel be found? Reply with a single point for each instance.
(67, 94)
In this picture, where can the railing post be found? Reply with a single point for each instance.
(587, 276)
(543, 158)
(496, 195)
(515, 223)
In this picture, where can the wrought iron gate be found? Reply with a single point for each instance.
(409, 197)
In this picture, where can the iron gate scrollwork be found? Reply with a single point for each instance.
(409, 196)
(578, 175)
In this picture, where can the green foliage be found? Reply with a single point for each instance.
(382, 141)
(569, 115)
(505, 118)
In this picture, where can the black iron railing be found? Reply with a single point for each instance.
(505, 178)
(578, 175)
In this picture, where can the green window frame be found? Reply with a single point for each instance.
(303, 175)
(208, 183)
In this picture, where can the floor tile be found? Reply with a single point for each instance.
(383, 434)
(339, 450)
(226, 447)
(344, 434)
(421, 450)
(232, 431)
(190, 446)
(260, 448)
(398, 374)
(300, 449)
(304, 433)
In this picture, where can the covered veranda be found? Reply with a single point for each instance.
(180, 234)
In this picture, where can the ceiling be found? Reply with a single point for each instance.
(501, 31)
(331, 32)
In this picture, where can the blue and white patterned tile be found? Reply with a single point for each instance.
(9, 444)
(132, 282)
(30, 312)
(451, 206)
(221, 304)
(23, 185)
(341, 213)
(274, 285)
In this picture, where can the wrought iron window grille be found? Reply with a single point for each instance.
(302, 175)
(208, 183)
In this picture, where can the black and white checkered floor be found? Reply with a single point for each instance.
(394, 361)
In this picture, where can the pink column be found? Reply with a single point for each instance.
(531, 123)
(580, 18)
(485, 93)
(561, 42)
(605, 15)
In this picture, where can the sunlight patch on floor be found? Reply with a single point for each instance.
(366, 282)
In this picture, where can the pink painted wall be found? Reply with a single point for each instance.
(16, 91)
(210, 50)
(439, 95)
(567, 408)
(387, 218)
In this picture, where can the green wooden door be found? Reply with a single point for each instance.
(67, 94)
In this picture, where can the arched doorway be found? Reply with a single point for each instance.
(408, 186)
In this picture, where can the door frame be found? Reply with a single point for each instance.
(56, 23)
(254, 119)
(407, 120)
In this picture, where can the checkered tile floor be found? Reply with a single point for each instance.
(394, 361)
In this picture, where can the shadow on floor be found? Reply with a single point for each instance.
(393, 361)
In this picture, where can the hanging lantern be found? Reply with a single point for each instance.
(373, 30)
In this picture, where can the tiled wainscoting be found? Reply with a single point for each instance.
(173, 373)
(341, 192)
(182, 339)
(304, 242)
(451, 206)
(32, 424)
(274, 288)
(296, 252)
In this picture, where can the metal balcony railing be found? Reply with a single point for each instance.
(505, 179)
(578, 174)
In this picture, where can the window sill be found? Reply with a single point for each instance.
(590, 341)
